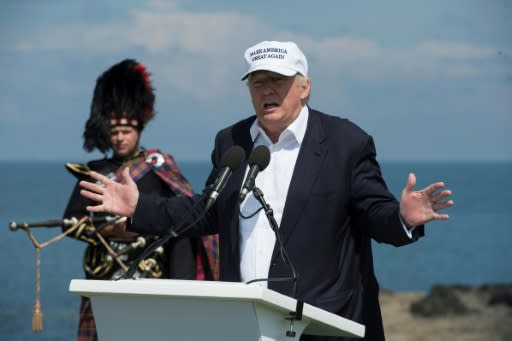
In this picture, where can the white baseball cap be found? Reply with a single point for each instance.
(284, 58)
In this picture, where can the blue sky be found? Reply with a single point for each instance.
(430, 80)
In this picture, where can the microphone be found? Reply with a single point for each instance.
(258, 161)
(230, 161)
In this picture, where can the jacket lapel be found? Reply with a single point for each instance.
(307, 170)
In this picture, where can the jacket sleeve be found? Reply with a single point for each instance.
(376, 210)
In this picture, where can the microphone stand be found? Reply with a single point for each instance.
(297, 314)
(258, 194)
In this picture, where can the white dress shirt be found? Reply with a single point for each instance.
(257, 238)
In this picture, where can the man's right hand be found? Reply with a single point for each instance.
(119, 198)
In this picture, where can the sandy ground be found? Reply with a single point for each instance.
(483, 323)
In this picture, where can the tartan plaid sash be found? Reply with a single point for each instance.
(161, 164)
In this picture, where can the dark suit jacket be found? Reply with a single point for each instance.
(337, 202)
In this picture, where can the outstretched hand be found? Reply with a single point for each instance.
(420, 207)
(119, 198)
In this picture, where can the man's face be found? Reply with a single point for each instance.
(124, 140)
(277, 99)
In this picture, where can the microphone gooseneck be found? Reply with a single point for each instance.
(258, 161)
(284, 255)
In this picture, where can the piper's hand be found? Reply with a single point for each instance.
(119, 198)
(420, 207)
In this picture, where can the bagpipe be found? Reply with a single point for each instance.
(104, 258)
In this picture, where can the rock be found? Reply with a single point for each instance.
(485, 322)
(441, 301)
(498, 294)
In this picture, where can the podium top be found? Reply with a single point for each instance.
(325, 323)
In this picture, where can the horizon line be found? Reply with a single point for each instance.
(208, 160)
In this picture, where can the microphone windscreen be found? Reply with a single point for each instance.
(260, 156)
(233, 158)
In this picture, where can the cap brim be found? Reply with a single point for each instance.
(272, 68)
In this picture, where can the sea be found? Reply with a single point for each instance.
(472, 248)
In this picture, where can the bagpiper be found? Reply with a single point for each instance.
(122, 105)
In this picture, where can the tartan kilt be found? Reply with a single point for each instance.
(86, 325)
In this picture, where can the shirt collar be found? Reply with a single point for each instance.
(296, 129)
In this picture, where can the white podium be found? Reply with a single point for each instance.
(159, 309)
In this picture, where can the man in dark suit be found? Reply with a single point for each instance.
(323, 184)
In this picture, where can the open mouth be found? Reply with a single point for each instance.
(270, 105)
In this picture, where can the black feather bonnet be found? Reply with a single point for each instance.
(123, 96)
